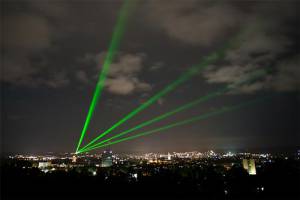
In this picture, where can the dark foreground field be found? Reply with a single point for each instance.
(278, 180)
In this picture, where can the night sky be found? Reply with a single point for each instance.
(53, 51)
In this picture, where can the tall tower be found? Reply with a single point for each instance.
(249, 166)
(169, 156)
(252, 168)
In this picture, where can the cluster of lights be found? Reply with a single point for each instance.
(146, 156)
(47, 163)
(34, 158)
(194, 155)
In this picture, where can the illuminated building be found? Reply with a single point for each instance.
(169, 156)
(74, 159)
(245, 164)
(249, 165)
(106, 159)
(43, 165)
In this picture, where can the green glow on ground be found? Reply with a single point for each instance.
(114, 45)
(184, 122)
(253, 75)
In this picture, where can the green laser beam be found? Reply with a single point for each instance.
(161, 117)
(233, 43)
(254, 75)
(187, 121)
(114, 45)
(208, 60)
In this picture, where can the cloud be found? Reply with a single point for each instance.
(193, 22)
(265, 42)
(258, 45)
(123, 72)
(23, 34)
(82, 76)
(234, 75)
(57, 80)
(26, 36)
(126, 85)
(287, 78)
(20, 71)
(17, 70)
(26, 31)
(225, 74)
(53, 9)
(127, 65)
(284, 77)
(156, 66)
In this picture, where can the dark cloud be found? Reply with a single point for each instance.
(27, 35)
(82, 76)
(287, 77)
(32, 28)
(284, 76)
(156, 66)
(28, 32)
(57, 80)
(17, 70)
(194, 22)
(53, 9)
(265, 42)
